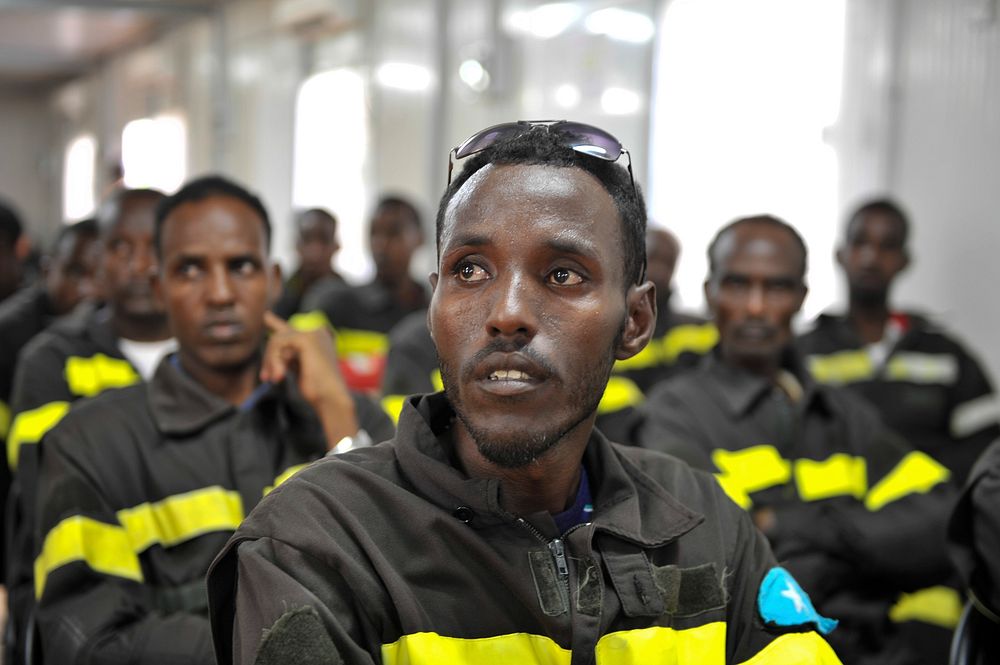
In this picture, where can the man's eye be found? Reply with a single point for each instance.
(565, 277)
(470, 272)
(188, 270)
(245, 268)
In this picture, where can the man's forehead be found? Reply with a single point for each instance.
(751, 242)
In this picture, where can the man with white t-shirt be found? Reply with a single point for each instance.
(112, 346)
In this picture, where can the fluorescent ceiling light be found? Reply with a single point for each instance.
(620, 24)
(545, 21)
(567, 96)
(404, 76)
(619, 101)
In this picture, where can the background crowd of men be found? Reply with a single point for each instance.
(159, 378)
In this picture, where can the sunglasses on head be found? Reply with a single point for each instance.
(583, 138)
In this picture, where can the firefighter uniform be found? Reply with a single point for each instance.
(859, 517)
(139, 489)
(393, 555)
(679, 342)
(925, 384)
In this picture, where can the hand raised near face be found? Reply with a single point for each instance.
(311, 358)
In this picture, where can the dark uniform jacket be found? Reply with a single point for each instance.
(859, 517)
(930, 389)
(678, 343)
(975, 534)
(362, 317)
(139, 489)
(393, 555)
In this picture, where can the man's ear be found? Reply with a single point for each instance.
(841, 257)
(640, 320)
(275, 287)
(433, 279)
(706, 289)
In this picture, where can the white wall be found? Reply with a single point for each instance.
(27, 177)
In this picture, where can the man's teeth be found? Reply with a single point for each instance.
(509, 375)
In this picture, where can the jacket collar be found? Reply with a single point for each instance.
(627, 503)
(742, 391)
(179, 404)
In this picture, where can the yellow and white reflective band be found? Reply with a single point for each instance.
(841, 367)
(928, 368)
(105, 548)
(306, 321)
(91, 376)
(4, 419)
(976, 414)
(31, 426)
(838, 475)
(752, 469)
(393, 406)
(657, 644)
(917, 473)
(285, 475)
(620, 393)
(181, 517)
(937, 605)
(688, 338)
(795, 649)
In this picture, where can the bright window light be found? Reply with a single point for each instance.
(154, 152)
(567, 96)
(744, 93)
(78, 178)
(473, 74)
(544, 21)
(620, 24)
(331, 145)
(404, 76)
(619, 101)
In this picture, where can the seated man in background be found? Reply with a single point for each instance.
(499, 525)
(848, 507)
(13, 250)
(363, 315)
(97, 348)
(140, 487)
(316, 246)
(923, 382)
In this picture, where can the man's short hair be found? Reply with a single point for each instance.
(537, 146)
(882, 206)
(84, 228)
(395, 201)
(322, 213)
(109, 211)
(10, 224)
(762, 220)
(203, 188)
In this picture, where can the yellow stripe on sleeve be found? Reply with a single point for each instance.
(688, 338)
(795, 649)
(752, 469)
(182, 517)
(4, 419)
(842, 367)
(307, 321)
(31, 426)
(393, 406)
(91, 376)
(838, 475)
(917, 473)
(620, 393)
(285, 475)
(105, 548)
(937, 605)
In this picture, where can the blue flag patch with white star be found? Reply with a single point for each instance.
(782, 602)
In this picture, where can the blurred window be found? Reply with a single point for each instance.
(154, 152)
(78, 178)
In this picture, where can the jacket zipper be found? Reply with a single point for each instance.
(556, 547)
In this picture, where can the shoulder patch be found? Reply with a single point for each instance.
(782, 602)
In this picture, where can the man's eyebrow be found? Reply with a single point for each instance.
(572, 246)
(464, 239)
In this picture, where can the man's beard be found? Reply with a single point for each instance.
(517, 449)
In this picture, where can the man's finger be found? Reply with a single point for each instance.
(275, 324)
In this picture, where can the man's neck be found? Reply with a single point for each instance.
(869, 318)
(140, 329)
(234, 386)
(549, 484)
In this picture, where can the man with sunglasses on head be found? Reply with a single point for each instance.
(499, 525)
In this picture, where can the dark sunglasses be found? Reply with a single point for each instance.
(586, 139)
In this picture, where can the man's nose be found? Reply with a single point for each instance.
(143, 261)
(220, 287)
(513, 308)
(755, 300)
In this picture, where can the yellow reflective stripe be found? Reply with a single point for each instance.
(657, 644)
(922, 367)
(87, 377)
(285, 475)
(837, 475)
(689, 338)
(4, 419)
(436, 380)
(735, 491)
(105, 548)
(937, 605)
(842, 367)
(306, 321)
(393, 406)
(752, 469)
(361, 342)
(182, 517)
(620, 393)
(795, 649)
(31, 426)
(648, 357)
(916, 473)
